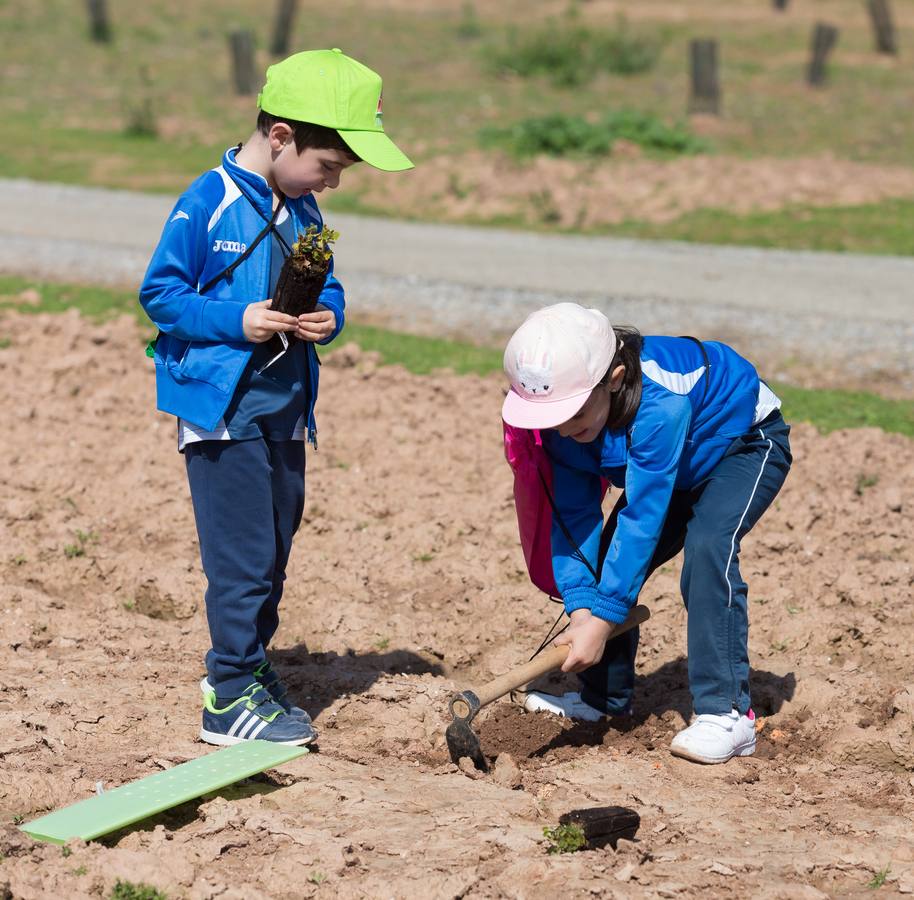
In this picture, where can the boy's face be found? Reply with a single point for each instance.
(310, 171)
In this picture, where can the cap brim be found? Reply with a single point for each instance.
(536, 414)
(377, 149)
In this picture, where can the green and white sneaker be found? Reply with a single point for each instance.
(274, 686)
(253, 716)
(266, 675)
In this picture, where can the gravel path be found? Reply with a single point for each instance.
(816, 317)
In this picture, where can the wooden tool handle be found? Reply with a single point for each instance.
(548, 660)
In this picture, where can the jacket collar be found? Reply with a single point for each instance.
(253, 185)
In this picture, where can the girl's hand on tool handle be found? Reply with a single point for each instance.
(587, 636)
(260, 323)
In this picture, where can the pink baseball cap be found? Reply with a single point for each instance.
(554, 360)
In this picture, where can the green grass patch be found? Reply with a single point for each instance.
(886, 227)
(571, 54)
(828, 410)
(563, 135)
(422, 355)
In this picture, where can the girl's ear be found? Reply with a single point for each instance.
(615, 381)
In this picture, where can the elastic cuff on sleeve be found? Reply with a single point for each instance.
(578, 598)
(610, 609)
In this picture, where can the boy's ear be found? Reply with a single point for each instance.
(280, 135)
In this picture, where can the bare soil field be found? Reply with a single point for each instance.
(586, 195)
(407, 582)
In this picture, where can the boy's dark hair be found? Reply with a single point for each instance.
(625, 402)
(307, 135)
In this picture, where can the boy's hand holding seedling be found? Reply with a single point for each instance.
(260, 322)
(317, 325)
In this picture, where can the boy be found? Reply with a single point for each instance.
(244, 404)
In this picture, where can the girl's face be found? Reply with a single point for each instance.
(587, 424)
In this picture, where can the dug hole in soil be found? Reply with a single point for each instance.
(406, 583)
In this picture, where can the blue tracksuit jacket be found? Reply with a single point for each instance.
(202, 351)
(684, 424)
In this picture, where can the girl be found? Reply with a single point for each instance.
(698, 443)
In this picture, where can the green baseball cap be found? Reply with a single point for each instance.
(326, 87)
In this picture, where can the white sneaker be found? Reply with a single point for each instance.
(569, 705)
(715, 739)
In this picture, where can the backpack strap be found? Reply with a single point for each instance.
(229, 270)
(578, 553)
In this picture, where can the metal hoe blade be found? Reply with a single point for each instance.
(461, 739)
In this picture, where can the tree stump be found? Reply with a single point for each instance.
(705, 85)
(241, 45)
(282, 27)
(883, 26)
(99, 26)
(824, 38)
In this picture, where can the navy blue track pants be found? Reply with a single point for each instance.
(707, 522)
(248, 501)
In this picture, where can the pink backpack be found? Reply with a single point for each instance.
(533, 502)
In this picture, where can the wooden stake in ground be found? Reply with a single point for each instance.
(99, 26)
(824, 38)
(241, 46)
(705, 95)
(282, 27)
(883, 26)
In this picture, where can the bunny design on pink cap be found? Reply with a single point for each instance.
(535, 378)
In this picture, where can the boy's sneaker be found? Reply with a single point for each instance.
(278, 687)
(715, 739)
(267, 676)
(568, 705)
(256, 715)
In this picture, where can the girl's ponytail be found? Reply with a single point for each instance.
(624, 403)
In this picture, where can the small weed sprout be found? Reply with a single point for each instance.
(382, 643)
(879, 878)
(317, 877)
(127, 890)
(865, 481)
(567, 838)
(83, 539)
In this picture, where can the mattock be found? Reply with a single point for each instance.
(462, 740)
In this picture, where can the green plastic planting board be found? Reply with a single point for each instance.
(132, 802)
